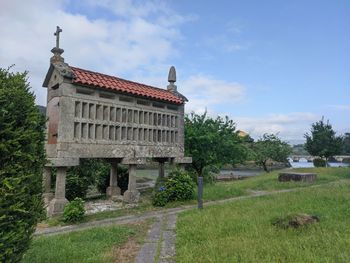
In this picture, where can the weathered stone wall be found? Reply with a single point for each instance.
(95, 123)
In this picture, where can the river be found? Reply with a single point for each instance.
(305, 164)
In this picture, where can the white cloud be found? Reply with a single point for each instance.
(206, 92)
(291, 126)
(136, 39)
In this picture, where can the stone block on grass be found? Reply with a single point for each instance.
(292, 176)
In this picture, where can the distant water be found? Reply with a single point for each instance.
(304, 164)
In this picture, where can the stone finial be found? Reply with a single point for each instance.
(172, 75)
(172, 79)
(57, 51)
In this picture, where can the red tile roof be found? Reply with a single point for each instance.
(94, 79)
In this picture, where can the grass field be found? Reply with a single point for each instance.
(96, 245)
(222, 190)
(269, 182)
(242, 231)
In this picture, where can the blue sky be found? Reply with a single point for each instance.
(272, 66)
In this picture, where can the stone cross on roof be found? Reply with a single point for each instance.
(57, 51)
(57, 34)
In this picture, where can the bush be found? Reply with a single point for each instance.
(177, 187)
(79, 178)
(74, 211)
(22, 157)
(318, 162)
(122, 177)
(161, 197)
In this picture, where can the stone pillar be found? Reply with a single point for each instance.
(57, 204)
(161, 171)
(113, 189)
(132, 195)
(47, 195)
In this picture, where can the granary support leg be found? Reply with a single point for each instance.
(161, 170)
(47, 195)
(113, 189)
(57, 204)
(132, 195)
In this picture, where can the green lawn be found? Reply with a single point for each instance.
(222, 190)
(242, 231)
(269, 182)
(93, 245)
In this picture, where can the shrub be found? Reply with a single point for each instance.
(318, 162)
(22, 157)
(161, 197)
(74, 211)
(177, 187)
(79, 178)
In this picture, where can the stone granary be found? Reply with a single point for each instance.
(93, 115)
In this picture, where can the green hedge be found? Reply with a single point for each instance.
(22, 158)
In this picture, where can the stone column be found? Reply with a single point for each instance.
(161, 171)
(57, 204)
(47, 195)
(113, 189)
(132, 195)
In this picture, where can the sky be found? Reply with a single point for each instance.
(272, 66)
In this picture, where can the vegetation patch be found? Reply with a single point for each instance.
(241, 231)
(74, 211)
(22, 157)
(295, 220)
(93, 245)
(319, 162)
(178, 186)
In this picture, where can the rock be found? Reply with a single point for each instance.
(292, 176)
(296, 221)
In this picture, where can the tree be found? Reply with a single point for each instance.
(212, 142)
(270, 148)
(346, 148)
(299, 149)
(323, 141)
(22, 158)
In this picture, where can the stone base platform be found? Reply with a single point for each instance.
(291, 176)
